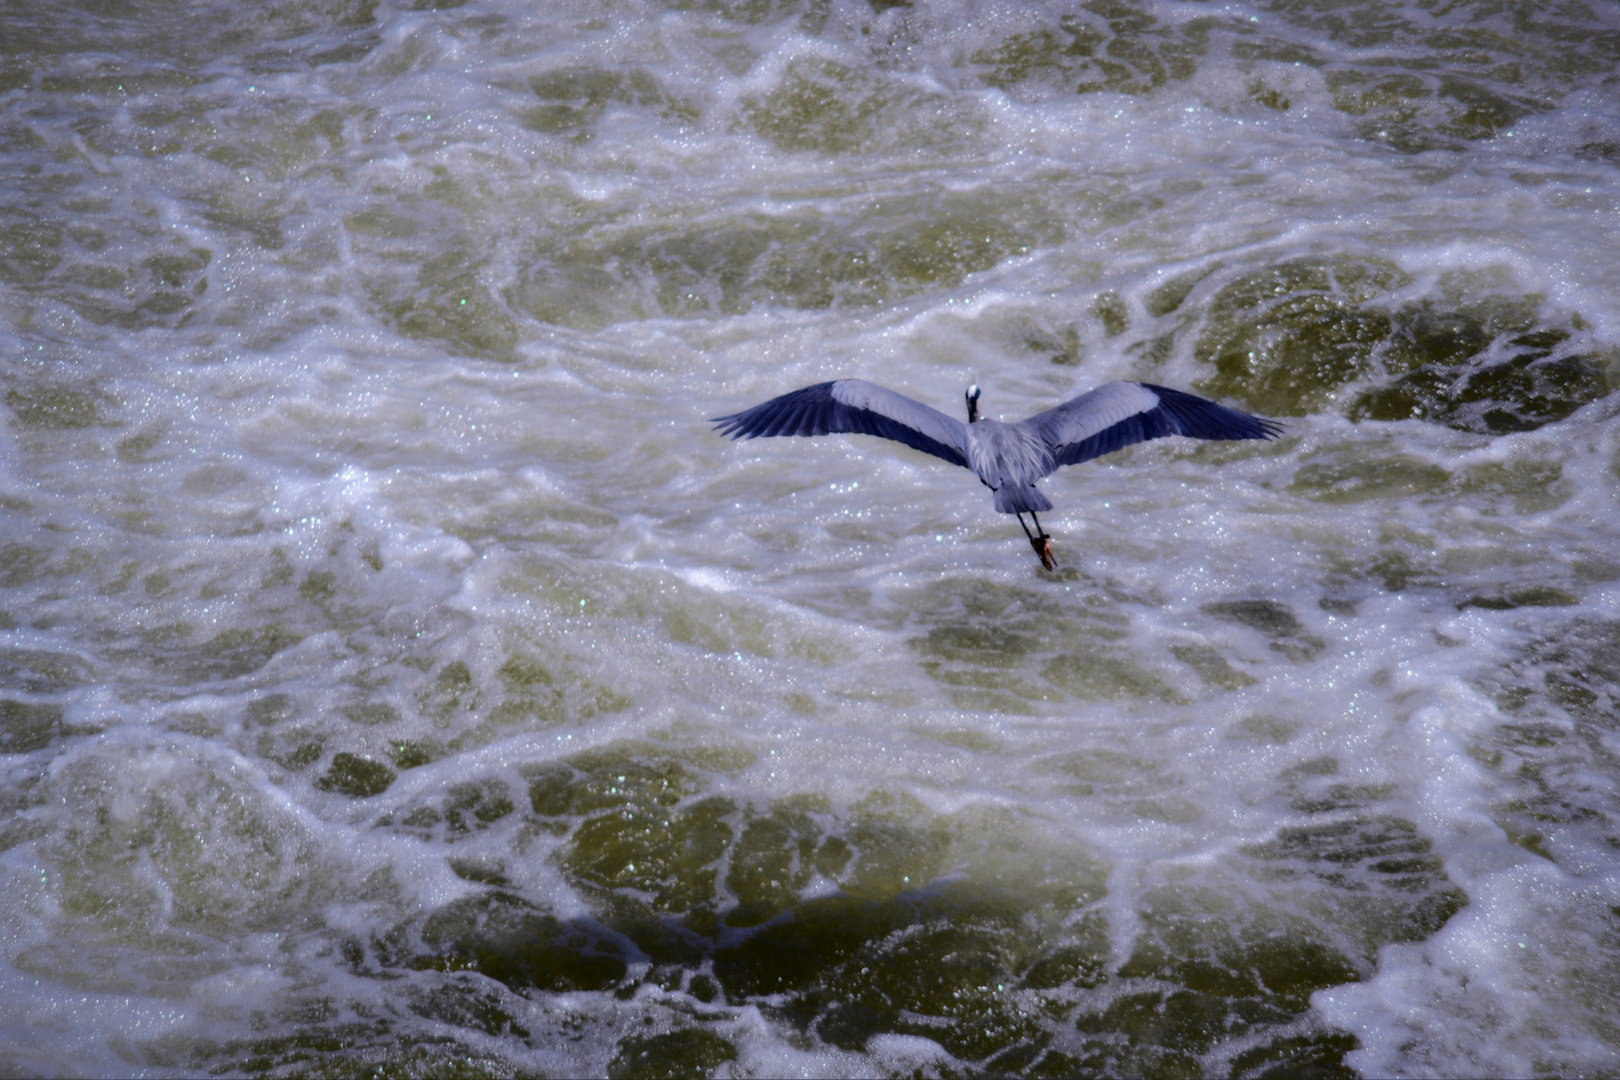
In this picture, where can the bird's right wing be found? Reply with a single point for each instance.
(1118, 414)
(857, 406)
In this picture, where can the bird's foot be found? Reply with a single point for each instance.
(1043, 548)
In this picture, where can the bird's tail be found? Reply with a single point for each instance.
(1021, 500)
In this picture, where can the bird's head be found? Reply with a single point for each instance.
(973, 403)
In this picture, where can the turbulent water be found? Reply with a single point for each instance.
(397, 674)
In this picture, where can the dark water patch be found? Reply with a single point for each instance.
(1159, 1034)
(1390, 848)
(877, 252)
(534, 690)
(450, 692)
(229, 654)
(951, 977)
(1530, 596)
(482, 870)
(1301, 1057)
(327, 1050)
(1575, 668)
(624, 774)
(520, 945)
(959, 929)
(141, 281)
(1108, 773)
(1521, 393)
(1008, 649)
(268, 710)
(1385, 883)
(26, 726)
(895, 940)
(161, 43)
(1413, 111)
(1353, 481)
(1479, 356)
(673, 1055)
(942, 963)
(1213, 970)
(1198, 938)
(465, 807)
(1563, 696)
(447, 300)
(1284, 339)
(370, 713)
(1213, 668)
(55, 406)
(23, 564)
(30, 248)
(1350, 475)
(668, 855)
(1581, 670)
(1108, 46)
(1110, 310)
(293, 750)
(828, 108)
(1414, 84)
(1404, 81)
(1173, 293)
(355, 776)
(649, 848)
(1092, 676)
(17, 824)
(1288, 635)
(1266, 729)
(777, 854)
(467, 1004)
(39, 671)
(575, 97)
(1218, 966)
(753, 12)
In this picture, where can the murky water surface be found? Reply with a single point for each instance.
(396, 673)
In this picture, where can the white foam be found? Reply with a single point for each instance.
(322, 506)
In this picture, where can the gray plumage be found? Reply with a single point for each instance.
(1008, 458)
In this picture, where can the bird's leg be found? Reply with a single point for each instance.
(1041, 542)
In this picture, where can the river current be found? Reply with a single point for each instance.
(398, 675)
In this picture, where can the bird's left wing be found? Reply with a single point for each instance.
(1118, 414)
(856, 406)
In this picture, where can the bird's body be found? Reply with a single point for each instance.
(1008, 458)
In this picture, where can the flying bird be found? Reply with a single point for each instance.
(1008, 458)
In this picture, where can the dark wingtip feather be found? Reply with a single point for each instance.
(1204, 419)
(729, 425)
(782, 415)
(813, 410)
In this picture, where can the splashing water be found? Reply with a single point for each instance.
(396, 673)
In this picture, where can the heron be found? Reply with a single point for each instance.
(1007, 458)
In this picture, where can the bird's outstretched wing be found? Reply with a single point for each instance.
(1118, 414)
(852, 405)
